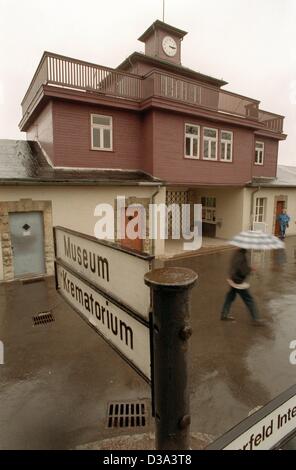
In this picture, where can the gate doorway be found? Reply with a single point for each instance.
(176, 199)
(280, 205)
(27, 239)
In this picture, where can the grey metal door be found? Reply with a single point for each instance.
(27, 240)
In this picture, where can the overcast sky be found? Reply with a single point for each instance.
(249, 43)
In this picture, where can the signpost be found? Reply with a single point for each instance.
(268, 428)
(104, 283)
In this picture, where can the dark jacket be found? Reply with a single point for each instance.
(239, 267)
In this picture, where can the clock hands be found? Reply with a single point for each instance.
(172, 47)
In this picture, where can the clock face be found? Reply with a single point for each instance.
(169, 46)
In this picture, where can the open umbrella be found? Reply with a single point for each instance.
(257, 240)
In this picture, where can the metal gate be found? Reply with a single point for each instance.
(27, 240)
(178, 198)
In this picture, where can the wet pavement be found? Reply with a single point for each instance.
(58, 378)
(236, 367)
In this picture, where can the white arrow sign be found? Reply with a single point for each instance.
(115, 270)
(127, 335)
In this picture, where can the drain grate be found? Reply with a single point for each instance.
(127, 415)
(42, 318)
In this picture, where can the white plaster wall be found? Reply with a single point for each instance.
(270, 194)
(229, 213)
(73, 206)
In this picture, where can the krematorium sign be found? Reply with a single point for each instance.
(104, 283)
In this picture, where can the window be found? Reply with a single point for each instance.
(191, 141)
(259, 153)
(208, 209)
(210, 144)
(101, 132)
(226, 146)
(260, 212)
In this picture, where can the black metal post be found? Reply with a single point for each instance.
(171, 332)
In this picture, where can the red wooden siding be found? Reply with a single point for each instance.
(152, 141)
(147, 140)
(269, 168)
(72, 131)
(169, 162)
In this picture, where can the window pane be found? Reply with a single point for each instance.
(210, 133)
(195, 149)
(96, 138)
(228, 151)
(209, 215)
(192, 130)
(223, 146)
(188, 146)
(107, 138)
(259, 145)
(101, 120)
(226, 136)
(206, 149)
(213, 150)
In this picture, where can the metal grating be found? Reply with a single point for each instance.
(175, 198)
(127, 415)
(42, 318)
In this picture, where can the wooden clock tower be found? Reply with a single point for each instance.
(163, 41)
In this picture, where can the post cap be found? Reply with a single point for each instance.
(170, 277)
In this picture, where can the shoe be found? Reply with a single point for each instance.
(259, 322)
(228, 318)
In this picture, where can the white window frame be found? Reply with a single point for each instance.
(259, 161)
(210, 140)
(102, 127)
(258, 205)
(192, 137)
(224, 158)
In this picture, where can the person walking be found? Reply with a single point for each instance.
(283, 220)
(239, 271)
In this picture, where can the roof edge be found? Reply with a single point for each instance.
(161, 25)
(171, 67)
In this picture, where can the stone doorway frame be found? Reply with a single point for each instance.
(25, 205)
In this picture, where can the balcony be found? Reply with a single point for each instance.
(64, 72)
